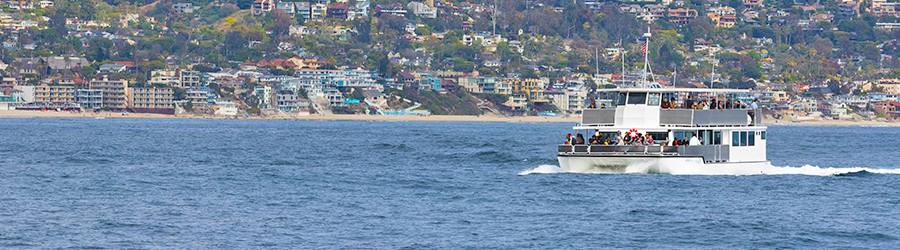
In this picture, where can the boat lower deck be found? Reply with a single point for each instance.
(708, 153)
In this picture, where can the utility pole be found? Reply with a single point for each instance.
(597, 60)
(494, 19)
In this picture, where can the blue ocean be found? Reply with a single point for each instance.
(240, 184)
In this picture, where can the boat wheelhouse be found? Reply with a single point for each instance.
(730, 137)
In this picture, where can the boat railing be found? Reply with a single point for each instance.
(598, 117)
(616, 149)
(681, 117)
(710, 153)
(712, 117)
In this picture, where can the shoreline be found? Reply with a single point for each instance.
(313, 117)
(431, 118)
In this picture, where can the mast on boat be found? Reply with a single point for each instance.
(647, 74)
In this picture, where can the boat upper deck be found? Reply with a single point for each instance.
(650, 108)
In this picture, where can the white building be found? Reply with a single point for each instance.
(227, 108)
(360, 10)
(422, 10)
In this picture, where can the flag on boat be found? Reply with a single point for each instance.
(644, 49)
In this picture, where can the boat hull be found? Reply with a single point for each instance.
(656, 165)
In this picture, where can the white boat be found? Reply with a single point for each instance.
(728, 140)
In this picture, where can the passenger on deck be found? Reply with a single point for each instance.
(737, 104)
(665, 103)
(728, 104)
(596, 139)
(603, 105)
(593, 104)
(694, 141)
(579, 139)
(619, 140)
(568, 139)
(689, 104)
(755, 104)
(648, 140)
(714, 104)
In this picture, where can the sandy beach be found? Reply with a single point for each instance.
(432, 118)
(441, 118)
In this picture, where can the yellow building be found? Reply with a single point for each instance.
(151, 98)
(54, 94)
(532, 88)
(724, 21)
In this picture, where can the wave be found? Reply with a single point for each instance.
(542, 169)
(758, 169)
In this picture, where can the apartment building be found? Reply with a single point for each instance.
(54, 94)
(115, 93)
(152, 100)
(188, 79)
(89, 98)
(532, 88)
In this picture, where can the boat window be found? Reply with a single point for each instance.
(735, 138)
(763, 135)
(751, 139)
(653, 99)
(717, 138)
(637, 98)
(658, 136)
(622, 96)
(744, 138)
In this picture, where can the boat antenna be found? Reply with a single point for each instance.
(712, 76)
(622, 54)
(644, 78)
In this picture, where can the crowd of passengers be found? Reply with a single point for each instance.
(627, 139)
(601, 139)
(689, 103)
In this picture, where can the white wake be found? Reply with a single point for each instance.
(758, 169)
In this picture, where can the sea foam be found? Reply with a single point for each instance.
(759, 169)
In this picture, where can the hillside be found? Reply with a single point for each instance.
(461, 103)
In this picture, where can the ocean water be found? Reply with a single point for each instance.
(199, 184)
